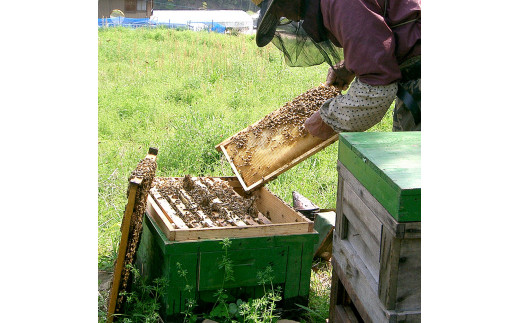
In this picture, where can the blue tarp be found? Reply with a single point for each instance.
(217, 28)
(146, 22)
(125, 22)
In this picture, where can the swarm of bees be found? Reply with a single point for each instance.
(145, 170)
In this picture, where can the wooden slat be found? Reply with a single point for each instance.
(263, 219)
(241, 232)
(379, 211)
(390, 249)
(335, 290)
(198, 182)
(240, 223)
(408, 295)
(233, 167)
(114, 291)
(169, 212)
(185, 212)
(249, 220)
(412, 230)
(235, 220)
(344, 315)
(363, 230)
(186, 199)
(235, 217)
(296, 224)
(188, 218)
(357, 280)
(157, 214)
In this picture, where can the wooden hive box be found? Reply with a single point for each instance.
(377, 240)
(285, 244)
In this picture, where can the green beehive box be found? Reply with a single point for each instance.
(286, 248)
(388, 165)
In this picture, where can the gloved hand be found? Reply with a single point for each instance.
(316, 127)
(339, 76)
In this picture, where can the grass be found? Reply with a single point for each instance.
(184, 92)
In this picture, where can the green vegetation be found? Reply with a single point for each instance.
(185, 92)
(228, 310)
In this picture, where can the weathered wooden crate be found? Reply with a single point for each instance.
(377, 240)
(285, 244)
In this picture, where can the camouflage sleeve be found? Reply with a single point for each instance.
(360, 108)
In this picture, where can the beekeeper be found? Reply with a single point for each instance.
(372, 45)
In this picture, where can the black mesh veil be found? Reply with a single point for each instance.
(299, 49)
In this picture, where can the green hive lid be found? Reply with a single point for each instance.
(388, 164)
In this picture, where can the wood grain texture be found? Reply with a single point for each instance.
(390, 250)
(284, 220)
(363, 231)
(340, 226)
(240, 232)
(408, 294)
(125, 231)
(335, 289)
(358, 283)
(154, 210)
(273, 160)
(383, 246)
(276, 209)
(167, 209)
(344, 315)
(364, 195)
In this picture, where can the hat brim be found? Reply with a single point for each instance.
(267, 26)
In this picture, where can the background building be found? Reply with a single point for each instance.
(131, 8)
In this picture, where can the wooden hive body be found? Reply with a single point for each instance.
(376, 258)
(285, 245)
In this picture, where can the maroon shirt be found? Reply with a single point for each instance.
(373, 47)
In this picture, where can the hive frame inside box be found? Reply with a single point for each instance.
(285, 219)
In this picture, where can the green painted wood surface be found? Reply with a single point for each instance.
(244, 263)
(388, 164)
(290, 257)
